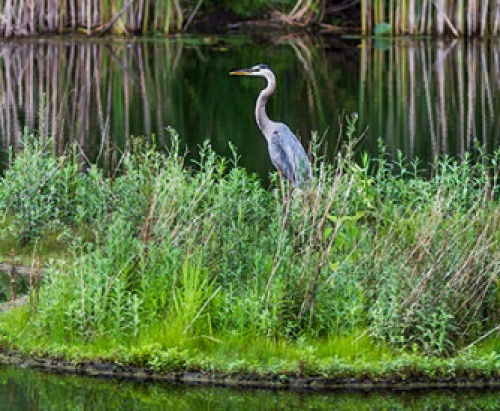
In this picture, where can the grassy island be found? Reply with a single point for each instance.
(375, 271)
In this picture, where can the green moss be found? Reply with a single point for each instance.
(355, 355)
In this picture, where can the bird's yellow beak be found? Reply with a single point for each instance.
(241, 72)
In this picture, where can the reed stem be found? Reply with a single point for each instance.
(438, 17)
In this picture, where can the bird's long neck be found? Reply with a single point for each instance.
(260, 108)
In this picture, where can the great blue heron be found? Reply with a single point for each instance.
(286, 152)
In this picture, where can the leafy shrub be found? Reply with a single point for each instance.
(45, 192)
(35, 188)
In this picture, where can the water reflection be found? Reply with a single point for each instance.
(424, 98)
(22, 389)
(430, 98)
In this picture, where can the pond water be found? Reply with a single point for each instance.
(422, 97)
(22, 389)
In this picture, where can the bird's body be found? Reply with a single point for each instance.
(288, 155)
(285, 150)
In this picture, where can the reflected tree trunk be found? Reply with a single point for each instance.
(442, 96)
(69, 91)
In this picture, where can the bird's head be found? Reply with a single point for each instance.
(261, 70)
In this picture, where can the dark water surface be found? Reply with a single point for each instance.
(421, 97)
(22, 389)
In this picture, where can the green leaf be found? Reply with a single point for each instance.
(327, 232)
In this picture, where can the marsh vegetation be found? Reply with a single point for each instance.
(125, 17)
(427, 17)
(175, 265)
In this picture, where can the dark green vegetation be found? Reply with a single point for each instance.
(23, 389)
(196, 266)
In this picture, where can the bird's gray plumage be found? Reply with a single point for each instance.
(288, 155)
(285, 150)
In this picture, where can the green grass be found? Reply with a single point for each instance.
(258, 353)
(371, 269)
(349, 356)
